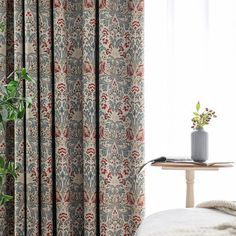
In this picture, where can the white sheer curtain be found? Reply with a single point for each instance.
(190, 56)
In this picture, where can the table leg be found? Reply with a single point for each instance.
(190, 190)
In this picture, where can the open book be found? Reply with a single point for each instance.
(185, 162)
(194, 163)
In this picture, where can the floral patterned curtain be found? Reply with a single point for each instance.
(80, 147)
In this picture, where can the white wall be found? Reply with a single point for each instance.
(190, 56)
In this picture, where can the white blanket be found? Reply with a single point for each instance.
(228, 207)
(219, 220)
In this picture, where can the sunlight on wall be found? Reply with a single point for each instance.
(190, 56)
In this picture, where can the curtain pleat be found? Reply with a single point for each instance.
(46, 145)
(121, 115)
(76, 144)
(20, 158)
(7, 140)
(31, 120)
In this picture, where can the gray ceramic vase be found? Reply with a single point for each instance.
(199, 145)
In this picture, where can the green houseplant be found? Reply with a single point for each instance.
(12, 107)
(199, 137)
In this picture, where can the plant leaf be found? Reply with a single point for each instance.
(21, 114)
(28, 78)
(198, 106)
(12, 87)
(5, 198)
(23, 72)
(1, 162)
(29, 102)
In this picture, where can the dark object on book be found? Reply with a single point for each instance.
(159, 159)
(165, 159)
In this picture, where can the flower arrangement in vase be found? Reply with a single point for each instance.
(199, 137)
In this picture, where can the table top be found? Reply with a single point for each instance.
(192, 166)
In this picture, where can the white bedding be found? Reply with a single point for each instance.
(187, 222)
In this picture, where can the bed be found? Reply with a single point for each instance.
(214, 218)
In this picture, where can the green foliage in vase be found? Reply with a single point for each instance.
(12, 107)
(201, 119)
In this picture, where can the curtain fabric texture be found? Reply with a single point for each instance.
(80, 147)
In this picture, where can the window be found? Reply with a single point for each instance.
(190, 56)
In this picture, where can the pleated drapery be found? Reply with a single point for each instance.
(80, 147)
